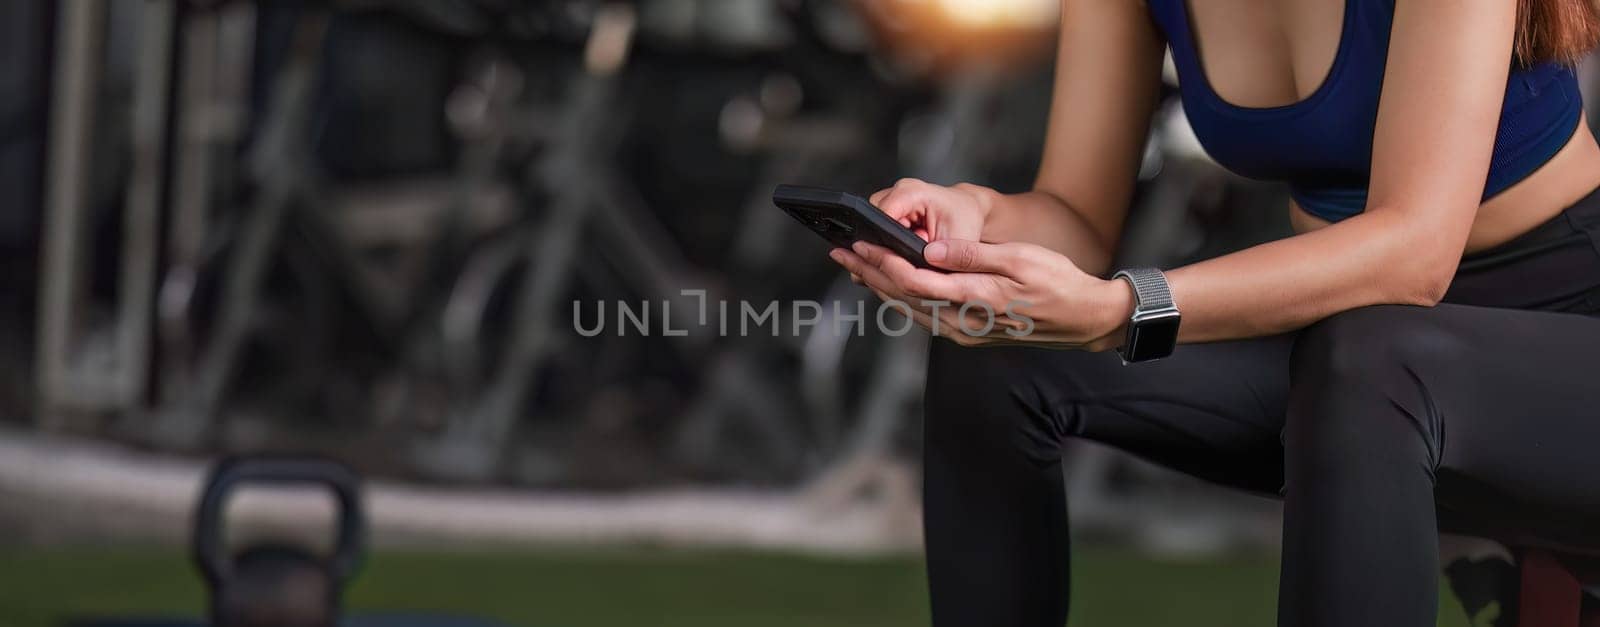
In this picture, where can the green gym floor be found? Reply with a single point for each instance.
(652, 588)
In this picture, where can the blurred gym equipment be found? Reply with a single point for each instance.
(281, 583)
(275, 584)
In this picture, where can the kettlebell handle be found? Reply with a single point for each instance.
(230, 473)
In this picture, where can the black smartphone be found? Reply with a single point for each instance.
(844, 219)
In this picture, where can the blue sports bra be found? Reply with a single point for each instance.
(1322, 145)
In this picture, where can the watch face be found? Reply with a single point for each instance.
(1153, 337)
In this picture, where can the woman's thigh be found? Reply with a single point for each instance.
(1215, 411)
(1503, 406)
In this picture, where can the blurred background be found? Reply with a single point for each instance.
(355, 231)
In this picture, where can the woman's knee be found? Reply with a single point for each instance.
(1374, 346)
(1359, 388)
(1009, 400)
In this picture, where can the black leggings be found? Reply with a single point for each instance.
(1378, 427)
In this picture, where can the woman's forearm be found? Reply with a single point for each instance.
(1041, 218)
(1377, 257)
(1373, 258)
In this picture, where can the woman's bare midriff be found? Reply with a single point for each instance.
(1570, 175)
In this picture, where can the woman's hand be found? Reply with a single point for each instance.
(998, 294)
(937, 212)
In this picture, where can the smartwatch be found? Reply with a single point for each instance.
(1153, 329)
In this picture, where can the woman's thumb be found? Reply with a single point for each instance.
(968, 256)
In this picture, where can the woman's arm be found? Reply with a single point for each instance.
(1443, 85)
(1107, 81)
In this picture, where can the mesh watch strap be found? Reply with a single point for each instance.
(1149, 287)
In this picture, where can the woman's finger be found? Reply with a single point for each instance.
(985, 292)
(937, 316)
(949, 321)
(922, 283)
(872, 253)
(870, 275)
(874, 257)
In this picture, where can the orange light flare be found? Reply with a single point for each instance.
(983, 14)
(955, 36)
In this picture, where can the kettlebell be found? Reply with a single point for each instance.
(275, 584)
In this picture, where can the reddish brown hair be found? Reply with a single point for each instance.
(1556, 30)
